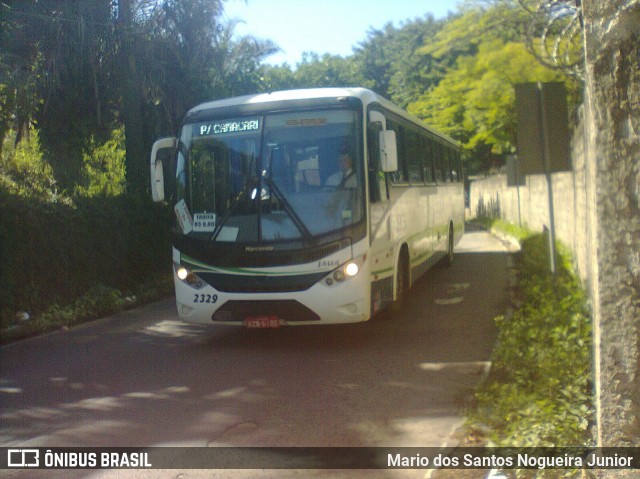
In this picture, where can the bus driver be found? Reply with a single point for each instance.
(345, 178)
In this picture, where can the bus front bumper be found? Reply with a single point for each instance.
(337, 303)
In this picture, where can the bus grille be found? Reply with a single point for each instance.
(277, 258)
(286, 309)
(230, 283)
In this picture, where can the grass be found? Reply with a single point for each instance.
(539, 391)
(98, 302)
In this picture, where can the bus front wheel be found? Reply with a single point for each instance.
(398, 307)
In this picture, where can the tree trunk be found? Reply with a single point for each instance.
(131, 98)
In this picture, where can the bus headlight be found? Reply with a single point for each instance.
(346, 271)
(182, 273)
(351, 269)
(189, 277)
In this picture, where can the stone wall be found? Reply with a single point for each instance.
(612, 113)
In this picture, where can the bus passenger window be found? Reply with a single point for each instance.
(446, 165)
(458, 167)
(427, 160)
(437, 156)
(455, 176)
(414, 157)
(399, 176)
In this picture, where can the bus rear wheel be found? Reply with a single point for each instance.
(450, 246)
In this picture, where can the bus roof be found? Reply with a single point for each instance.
(285, 95)
(365, 95)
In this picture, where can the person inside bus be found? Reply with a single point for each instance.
(345, 177)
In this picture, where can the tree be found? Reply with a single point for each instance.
(55, 67)
(187, 56)
(128, 74)
(414, 71)
(81, 69)
(392, 61)
(314, 71)
(328, 71)
(103, 167)
(275, 78)
(475, 101)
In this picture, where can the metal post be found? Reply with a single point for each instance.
(519, 212)
(547, 173)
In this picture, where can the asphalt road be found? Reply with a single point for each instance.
(141, 378)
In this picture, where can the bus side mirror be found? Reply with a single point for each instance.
(388, 151)
(157, 174)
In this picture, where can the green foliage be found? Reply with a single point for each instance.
(80, 68)
(392, 59)
(99, 301)
(23, 170)
(518, 232)
(103, 167)
(479, 21)
(475, 102)
(315, 71)
(329, 70)
(486, 55)
(55, 252)
(539, 392)
(502, 228)
(387, 61)
(55, 61)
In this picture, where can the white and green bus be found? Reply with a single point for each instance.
(302, 207)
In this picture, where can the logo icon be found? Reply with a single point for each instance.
(23, 458)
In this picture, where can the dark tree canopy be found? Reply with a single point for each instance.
(77, 71)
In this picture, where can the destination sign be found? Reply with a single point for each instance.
(226, 127)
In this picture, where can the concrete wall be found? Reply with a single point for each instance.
(528, 205)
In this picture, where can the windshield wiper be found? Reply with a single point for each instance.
(297, 221)
(234, 205)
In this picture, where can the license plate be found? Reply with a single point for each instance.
(262, 322)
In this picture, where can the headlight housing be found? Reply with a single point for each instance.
(346, 271)
(187, 276)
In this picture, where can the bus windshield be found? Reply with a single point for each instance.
(282, 176)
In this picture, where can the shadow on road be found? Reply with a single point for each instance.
(141, 378)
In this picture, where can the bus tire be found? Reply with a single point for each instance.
(450, 246)
(398, 307)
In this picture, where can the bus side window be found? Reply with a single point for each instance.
(377, 181)
(455, 161)
(427, 158)
(437, 156)
(446, 166)
(399, 176)
(414, 156)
